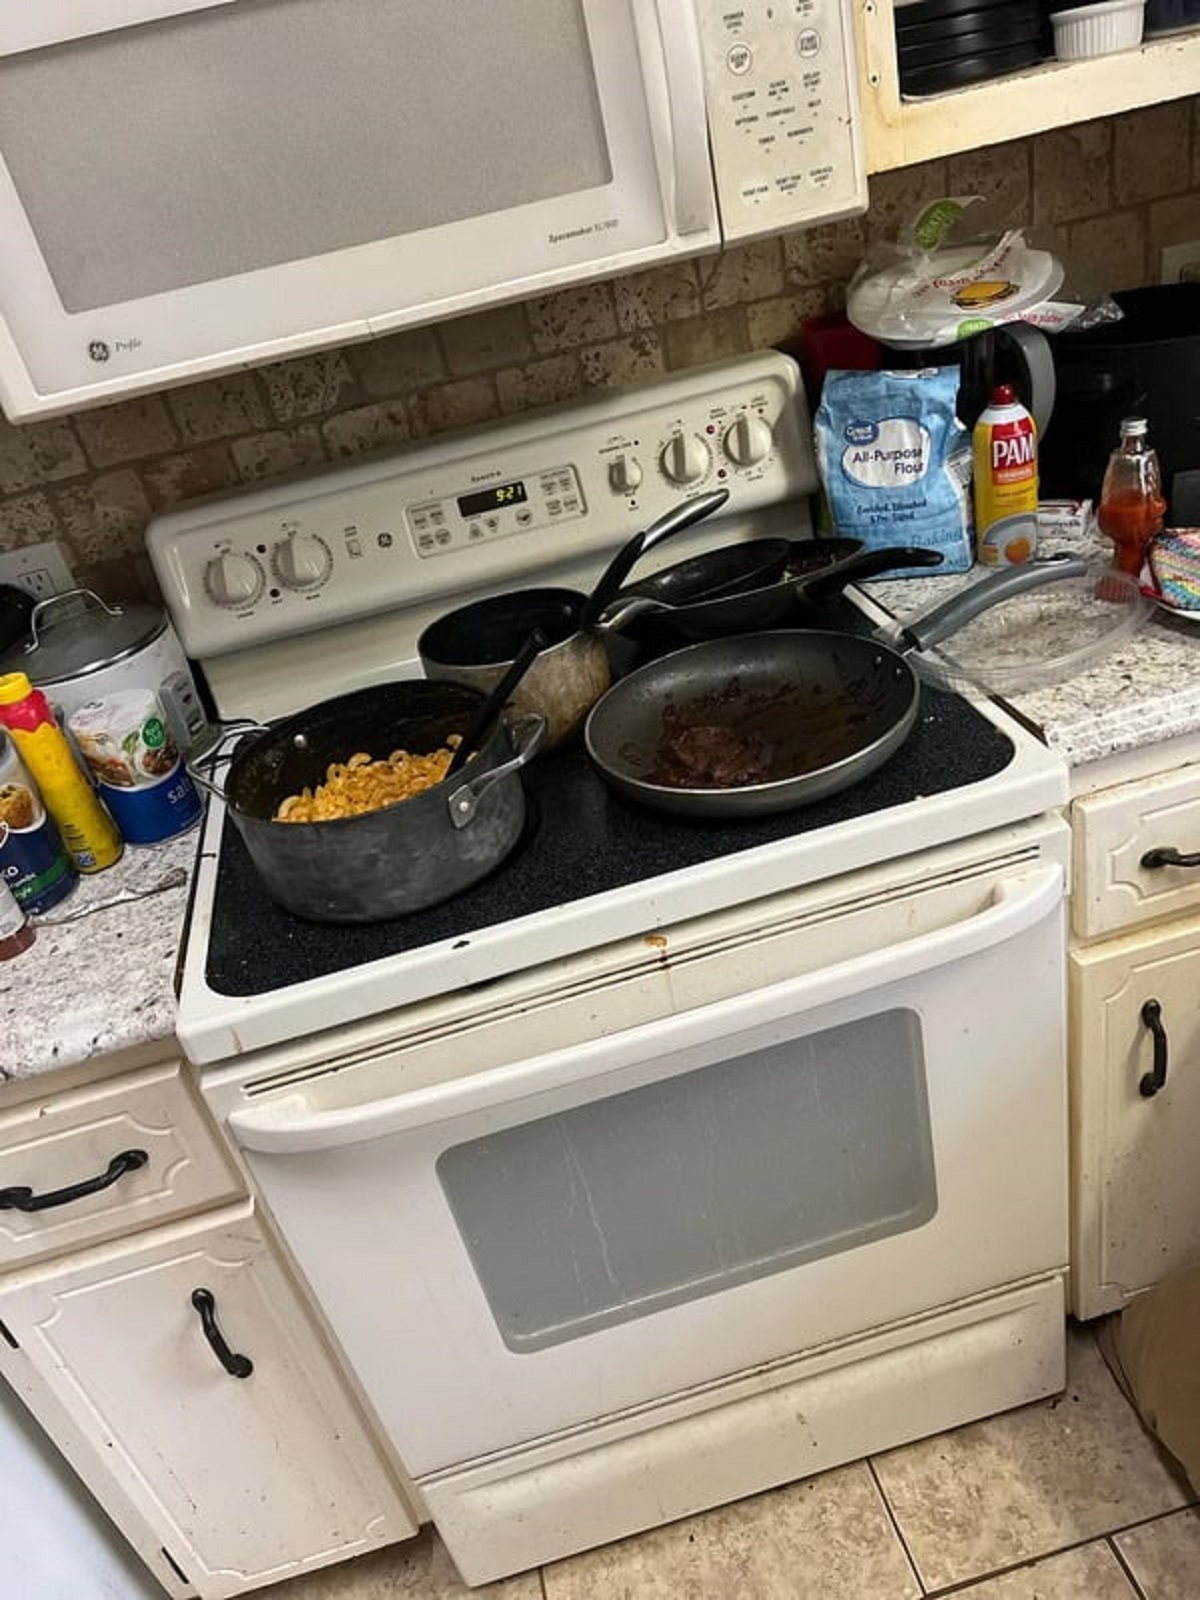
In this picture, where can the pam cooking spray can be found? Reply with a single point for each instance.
(1004, 446)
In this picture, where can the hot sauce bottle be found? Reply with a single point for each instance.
(1131, 505)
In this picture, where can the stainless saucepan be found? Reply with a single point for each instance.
(477, 643)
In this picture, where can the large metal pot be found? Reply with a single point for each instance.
(399, 859)
(478, 642)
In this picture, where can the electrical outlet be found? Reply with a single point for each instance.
(1180, 263)
(40, 569)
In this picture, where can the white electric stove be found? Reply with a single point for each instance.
(309, 587)
(675, 1159)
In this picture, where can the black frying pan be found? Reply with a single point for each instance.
(817, 569)
(763, 722)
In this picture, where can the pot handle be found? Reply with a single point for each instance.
(463, 801)
(217, 755)
(44, 607)
(956, 612)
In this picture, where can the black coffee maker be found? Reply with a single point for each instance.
(1010, 352)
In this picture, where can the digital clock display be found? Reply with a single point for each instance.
(493, 499)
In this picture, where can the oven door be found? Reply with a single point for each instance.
(867, 1124)
(322, 173)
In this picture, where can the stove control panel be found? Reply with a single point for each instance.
(542, 499)
(480, 511)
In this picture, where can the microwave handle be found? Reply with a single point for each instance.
(288, 1125)
(673, 74)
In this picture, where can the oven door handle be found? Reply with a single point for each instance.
(289, 1124)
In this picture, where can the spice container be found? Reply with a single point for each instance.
(16, 931)
(88, 831)
(126, 741)
(1132, 505)
(33, 860)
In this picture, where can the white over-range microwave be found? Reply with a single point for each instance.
(192, 186)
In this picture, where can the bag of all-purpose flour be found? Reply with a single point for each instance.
(895, 462)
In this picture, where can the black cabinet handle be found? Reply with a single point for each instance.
(1152, 1081)
(236, 1366)
(1166, 855)
(19, 1199)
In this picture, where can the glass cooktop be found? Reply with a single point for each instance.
(580, 840)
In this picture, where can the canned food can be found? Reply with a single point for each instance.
(34, 862)
(129, 749)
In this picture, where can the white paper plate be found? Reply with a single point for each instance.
(893, 306)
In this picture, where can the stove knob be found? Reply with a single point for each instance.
(234, 580)
(301, 561)
(685, 458)
(624, 474)
(748, 440)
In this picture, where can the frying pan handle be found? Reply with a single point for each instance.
(462, 803)
(954, 613)
(216, 754)
(865, 564)
(620, 611)
(674, 521)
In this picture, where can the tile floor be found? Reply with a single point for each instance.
(1065, 1499)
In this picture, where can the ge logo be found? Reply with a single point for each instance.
(98, 350)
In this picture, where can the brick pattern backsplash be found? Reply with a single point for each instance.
(1114, 192)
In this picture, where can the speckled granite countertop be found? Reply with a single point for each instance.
(1144, 693)
(105, 981)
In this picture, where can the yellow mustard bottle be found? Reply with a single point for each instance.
(88, 831)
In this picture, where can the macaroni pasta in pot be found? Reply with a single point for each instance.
(359, 785)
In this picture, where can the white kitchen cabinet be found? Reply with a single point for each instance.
(1134, 975)
(236, 1445)
(899, 132)
(118, 1201)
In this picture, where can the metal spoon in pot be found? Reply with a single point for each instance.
(494, 704)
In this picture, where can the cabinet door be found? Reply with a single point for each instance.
(247, 1475)
(1135, 1189)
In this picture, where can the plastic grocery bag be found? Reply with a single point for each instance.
(895, 462)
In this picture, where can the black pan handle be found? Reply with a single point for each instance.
(497, 698)
(21, 1199)
(1151, 1082)
(1166, 855)
(235, 1365)
(674, 521)
(865, 564)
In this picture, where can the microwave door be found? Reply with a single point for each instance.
(241, 182)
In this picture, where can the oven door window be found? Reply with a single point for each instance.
(663, 1194)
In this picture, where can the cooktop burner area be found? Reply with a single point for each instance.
(581, 841)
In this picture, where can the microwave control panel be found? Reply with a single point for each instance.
(783, 115)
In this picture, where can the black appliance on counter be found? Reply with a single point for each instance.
(1146, 364)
